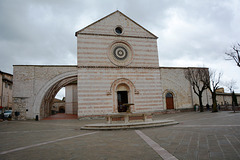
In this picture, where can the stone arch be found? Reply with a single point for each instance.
(174, 98)
(123, 80)
(122, 87)
(44, 98)
(114, 88)
(61, 109)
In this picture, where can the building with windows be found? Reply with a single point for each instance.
(6, 83)
(117, 64)
(225, 99)
(58, 106)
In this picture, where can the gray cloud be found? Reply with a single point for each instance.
(191, 33)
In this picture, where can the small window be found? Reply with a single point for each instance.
(168, 95)
(6, 85)
(118, 30)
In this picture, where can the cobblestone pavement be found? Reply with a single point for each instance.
(198, 136)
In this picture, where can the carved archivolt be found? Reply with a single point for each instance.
(125, 81)
(124, 84)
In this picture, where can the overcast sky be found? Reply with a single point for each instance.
(192, 33)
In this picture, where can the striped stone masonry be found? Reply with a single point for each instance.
(97, 89)
(93, 50)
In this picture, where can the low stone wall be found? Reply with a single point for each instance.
(173, 111)
(229, 108)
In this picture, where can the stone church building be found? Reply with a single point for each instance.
(117, 63)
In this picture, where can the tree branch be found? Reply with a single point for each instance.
(235, 54)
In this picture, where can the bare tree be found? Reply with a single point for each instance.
(213, 86)
(198, 78)
(231, 85)
(234, 54)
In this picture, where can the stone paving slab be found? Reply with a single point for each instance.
(61, 116)
(199, 136)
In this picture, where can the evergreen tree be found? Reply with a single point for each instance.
(234, 101)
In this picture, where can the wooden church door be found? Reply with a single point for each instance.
(169, 101)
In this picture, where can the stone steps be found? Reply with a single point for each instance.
(104, 126)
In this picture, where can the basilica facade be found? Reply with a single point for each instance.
(117, 64)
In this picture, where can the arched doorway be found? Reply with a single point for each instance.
(169, 101)
(122, 97)
(61, 109)
(122, 89)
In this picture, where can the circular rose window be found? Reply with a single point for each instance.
(120, 54)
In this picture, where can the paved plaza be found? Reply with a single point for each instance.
(198, 136)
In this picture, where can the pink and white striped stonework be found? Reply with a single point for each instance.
(101, 73)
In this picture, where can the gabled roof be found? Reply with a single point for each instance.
(142, 32)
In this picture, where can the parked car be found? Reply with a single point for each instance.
(8, 114)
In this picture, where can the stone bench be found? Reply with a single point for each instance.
(128, 117)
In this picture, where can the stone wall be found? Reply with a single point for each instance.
(56, 106)
(29, 80)
(174, 81)
(226, 98)
(19, 105)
